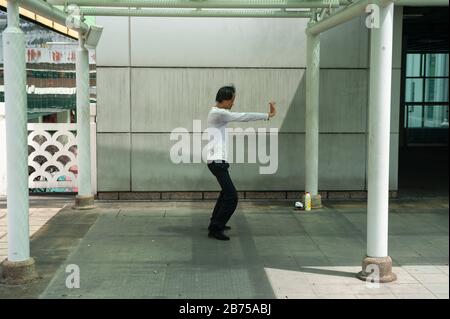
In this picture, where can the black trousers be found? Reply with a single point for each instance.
(228, 199)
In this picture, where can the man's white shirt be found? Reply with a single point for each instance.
(216, 125)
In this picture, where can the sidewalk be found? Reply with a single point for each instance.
(42, 209)
(161, 250)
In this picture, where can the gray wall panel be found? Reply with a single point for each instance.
(113, 158)
(395, 100)
(163, 99)
(345, 46)
(113, 49)
(397, 38)
(342, 166)
(113, 104)
(342, 160)
(152, 168)
(343, 101)
(216, 42)
(393, 161)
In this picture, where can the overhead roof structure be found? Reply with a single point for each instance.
(329, 13)
(32, 16)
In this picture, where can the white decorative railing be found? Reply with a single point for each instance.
(52, 155)
(52, 158)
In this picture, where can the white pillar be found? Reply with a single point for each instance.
(83, 118)
(2, 150)
(312, 118)
(379, 132)
(16, 137)
(93, 126)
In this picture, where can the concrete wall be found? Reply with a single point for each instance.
(156, 74)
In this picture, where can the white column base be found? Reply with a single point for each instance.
(378, 269)
(84, 202)
(18, 272)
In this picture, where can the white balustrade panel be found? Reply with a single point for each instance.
(52, 159)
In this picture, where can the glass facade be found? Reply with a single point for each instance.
(426, 98)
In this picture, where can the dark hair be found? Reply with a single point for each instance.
(225, 93)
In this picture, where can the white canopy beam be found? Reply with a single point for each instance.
(241, 13)
(238, 4)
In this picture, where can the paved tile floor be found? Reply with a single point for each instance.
(161, 250)
(42, 209)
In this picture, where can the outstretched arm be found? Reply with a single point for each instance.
(251, 116)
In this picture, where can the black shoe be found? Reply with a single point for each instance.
(225, 228)
(218, 235)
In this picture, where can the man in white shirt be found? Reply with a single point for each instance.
(218, 118)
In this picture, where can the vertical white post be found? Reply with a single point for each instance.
(85, 197)
(93, 126)
(379, 133)
(19, 267)
(312, 118)
(2, 151)
(379, 130)
(16, 137)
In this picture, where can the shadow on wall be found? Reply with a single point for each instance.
(294, 120)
